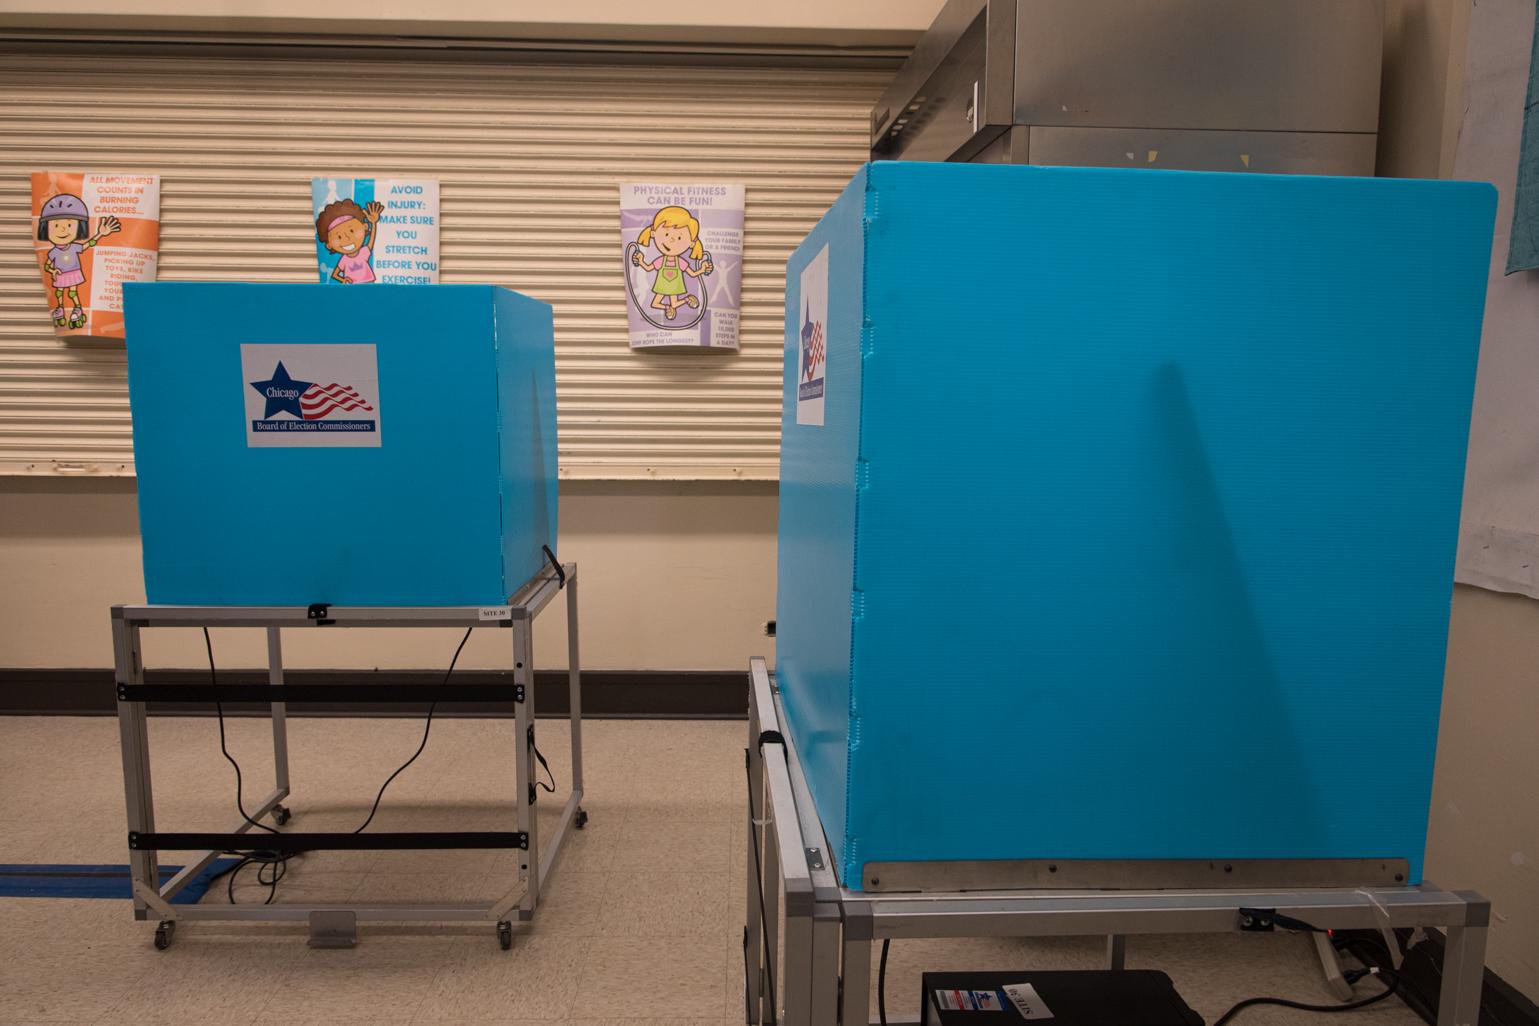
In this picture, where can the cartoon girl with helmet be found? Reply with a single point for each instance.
(65, 221)
(674, 231)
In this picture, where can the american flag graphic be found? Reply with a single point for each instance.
(812, 357)
(319, 400)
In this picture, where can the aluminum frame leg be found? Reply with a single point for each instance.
(771, 912)
(796, 967)
(523, 673)
(754, 983)
(572, 814)
(855, 994)
(826, 930)
(1464, 971)
(574, 676)
(1336, 984)
(280, 712)
(1116, 951)
(134, 740)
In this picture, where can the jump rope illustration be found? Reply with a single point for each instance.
(676, 234)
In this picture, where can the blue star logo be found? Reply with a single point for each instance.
(282, 393)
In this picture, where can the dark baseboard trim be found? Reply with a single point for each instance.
(619, 694)
(1421, 973)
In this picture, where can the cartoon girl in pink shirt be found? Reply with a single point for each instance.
(348, 230)
(674, 231)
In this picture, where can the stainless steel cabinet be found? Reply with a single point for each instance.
(1230, 85)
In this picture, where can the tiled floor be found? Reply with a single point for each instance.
(642, 924)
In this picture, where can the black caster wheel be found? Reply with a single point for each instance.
(163, 934)
(281, 814)
(505, 935)
(581, 820)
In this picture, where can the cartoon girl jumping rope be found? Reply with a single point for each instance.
(674, 231)
(348, 230)
(65, 221)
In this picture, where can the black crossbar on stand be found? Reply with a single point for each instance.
(301, 693)
(295, 842)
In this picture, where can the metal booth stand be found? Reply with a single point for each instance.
(824, 975)
(335, 924)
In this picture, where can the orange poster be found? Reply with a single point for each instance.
(92, 233)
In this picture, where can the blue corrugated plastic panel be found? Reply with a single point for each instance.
(526, 382)
(1237, 464)
(413, 520)
(1164, 475)
(816, 557)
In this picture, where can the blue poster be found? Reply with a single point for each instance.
(376, 230)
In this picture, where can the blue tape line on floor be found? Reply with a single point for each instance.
(43, 881)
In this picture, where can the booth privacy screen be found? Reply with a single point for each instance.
(1118, 510)
(390, 446)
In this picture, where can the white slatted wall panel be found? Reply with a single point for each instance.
(528, 158)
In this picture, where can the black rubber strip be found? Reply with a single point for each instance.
(302, 693)
(284, 843)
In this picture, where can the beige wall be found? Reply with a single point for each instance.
(1419, 105)
(1484, 827)
(1484, 832)
(674, 577)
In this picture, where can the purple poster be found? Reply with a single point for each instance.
(682, 252)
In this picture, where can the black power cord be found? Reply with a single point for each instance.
(881, 984)
(275, 864)
(262, 857)
(1348, 944)
(426, 729)
(1270, 917)
(1351, 1006)
(549, 788)
(213, 679)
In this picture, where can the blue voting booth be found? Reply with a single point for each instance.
(1118, 512)
(390, 445)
